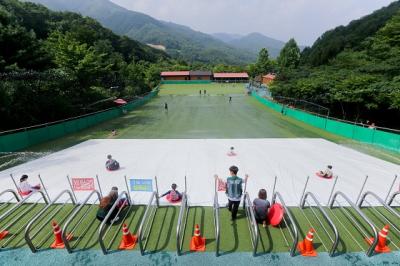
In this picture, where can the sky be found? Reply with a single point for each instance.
(304, 20)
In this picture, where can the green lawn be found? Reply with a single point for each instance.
(211, 89)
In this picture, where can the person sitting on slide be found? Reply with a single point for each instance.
(111, 164)
(26, 188)
(261, 206)
(327, 173)
(173, 195)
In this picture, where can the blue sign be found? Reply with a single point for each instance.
(141, 185)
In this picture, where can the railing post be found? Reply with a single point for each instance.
(15, 183)
(391, 187)
(273, 189)
(157, 197)
(72, 189)
(362, 188)
(332, 190)
(44, 188)
(98, 183)
(304, 189)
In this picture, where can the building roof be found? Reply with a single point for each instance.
(200, 73)
(231, 75)
(269, 76)
(174, 73)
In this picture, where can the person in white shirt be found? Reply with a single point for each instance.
(25, 187)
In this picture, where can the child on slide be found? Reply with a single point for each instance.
(327, 173)
(25, 187)
(173, 195)
(111, 164)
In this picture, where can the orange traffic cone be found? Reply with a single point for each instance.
(128, 240)
(381, 247)
(198, 243)
(58, 242)
(3, 234)
(306, 247)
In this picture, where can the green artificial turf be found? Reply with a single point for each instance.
(211, 89)
(234, 236)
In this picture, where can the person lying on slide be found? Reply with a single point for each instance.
(25, 187)
(111, 164)
(327, 173)
(173, 195)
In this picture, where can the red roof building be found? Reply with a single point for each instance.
(268, 79)
(175, 75)
(231, 77)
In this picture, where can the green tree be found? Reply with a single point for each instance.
(289, 56)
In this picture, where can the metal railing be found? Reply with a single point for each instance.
(251, 222)
(371, 249)
(216, 223)
(182, 221)
(147, 222)
(385, 219)
(48, 218)
(5, 204)
(19, 216)
(292, 229)
(335, 237)
(102, 229)
(392, 199)
(72, 217)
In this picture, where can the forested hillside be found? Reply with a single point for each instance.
(181, 42)
(353, 70)
(54, 65)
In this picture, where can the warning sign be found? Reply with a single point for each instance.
(82, 184)
(141, 185)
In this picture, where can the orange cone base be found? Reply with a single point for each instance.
(193, 246)
(378, 249)
(303, 252)
(132, 245)
(3, 234)
(56, 245)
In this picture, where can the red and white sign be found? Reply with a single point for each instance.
(221, 185)
(82, 184)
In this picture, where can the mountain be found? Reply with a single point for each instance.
(332, 42)
(226, 37)
(181, 42)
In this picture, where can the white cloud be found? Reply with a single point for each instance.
(304, 20)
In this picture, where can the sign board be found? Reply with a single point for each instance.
(221, 185)
(141, 185)
(82, 184)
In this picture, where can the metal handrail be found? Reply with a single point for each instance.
(142, 228)
(23, 201)
(216, 223)
(252, 223)
(12, 192)
(28, 239)
(391, 199)
(73, 215)
(181, 225)
(326, 216)
(363, 216)
(295, 232)
(381, 201)
(104, 222)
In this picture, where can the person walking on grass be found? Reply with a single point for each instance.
(234, 190)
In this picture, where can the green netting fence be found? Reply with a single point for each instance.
(186, 82)
(387, 140)
(20, 139)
